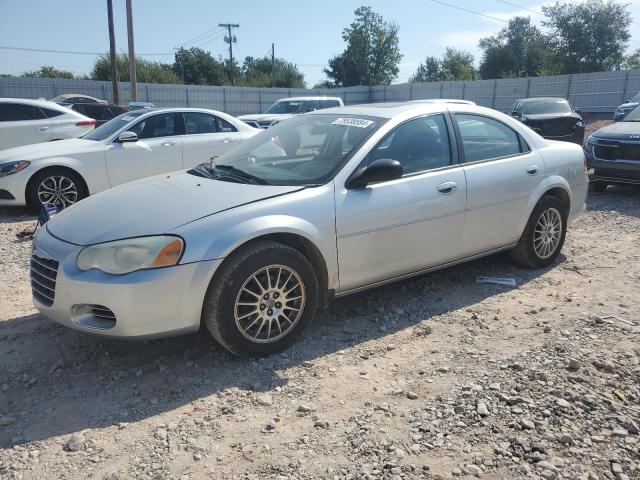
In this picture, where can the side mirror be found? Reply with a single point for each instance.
(126, 137)
(379, 171)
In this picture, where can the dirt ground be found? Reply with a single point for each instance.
(437, 377)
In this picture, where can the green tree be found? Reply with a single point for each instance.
(197, 67)
(588, 36)
(454, 65)
(48, 72)
(632, 62)
(146, 71)
(256, 72)
(372, 54)
(429, 71)
(518, 50)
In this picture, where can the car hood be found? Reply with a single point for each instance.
(552, 116)
(266, 117)
(619, 131)
(48, 149)
(153, 206)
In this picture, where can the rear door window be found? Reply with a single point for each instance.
(199, 122)
(224, 126)
(484, 138)
(329, 103)
(50, 113)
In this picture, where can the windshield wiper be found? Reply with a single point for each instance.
(230, 169)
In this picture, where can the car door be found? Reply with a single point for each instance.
(402, 226)
(22, 124)
(501, 172)
(158, 149)
(206, 136)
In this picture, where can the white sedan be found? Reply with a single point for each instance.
(325, 204)
(24, 121)
(131, 146)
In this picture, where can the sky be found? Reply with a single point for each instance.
(306, 33)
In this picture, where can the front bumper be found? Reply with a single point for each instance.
(145, 304)
(15, 185)
(612, 171)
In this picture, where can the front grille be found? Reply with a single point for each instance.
(617, 151)
(99, 311)
(43, 272)
(621, 174)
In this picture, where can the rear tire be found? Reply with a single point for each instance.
(599, 187)
(260, 300)
(544, 235)
(56, 185)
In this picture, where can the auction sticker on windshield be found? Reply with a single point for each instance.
(352, 122)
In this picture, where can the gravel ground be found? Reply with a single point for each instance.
(437, 377)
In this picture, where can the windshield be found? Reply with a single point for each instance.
(288, 107)
(633, 115)
(112, 126)
(306, 150)
(546, 106)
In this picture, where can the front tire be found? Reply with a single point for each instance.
(260, 300)
(544, 235)
(58, 186)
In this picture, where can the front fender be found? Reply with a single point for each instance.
(93, 173)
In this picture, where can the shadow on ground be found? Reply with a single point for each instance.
(57, 381)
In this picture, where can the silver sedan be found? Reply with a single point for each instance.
(324, 205)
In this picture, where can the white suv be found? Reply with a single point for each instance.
(23, 122)
(287, 108)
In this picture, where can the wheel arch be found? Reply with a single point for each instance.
(44, 168)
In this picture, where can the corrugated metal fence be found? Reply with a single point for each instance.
(590, 92)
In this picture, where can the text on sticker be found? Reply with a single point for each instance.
(352, 122)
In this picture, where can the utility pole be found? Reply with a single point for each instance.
(112, 51)
(132, 54)
(273, 65)
(230, 40)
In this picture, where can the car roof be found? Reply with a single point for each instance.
(443, 100)
(301, 99)
(393, 109)
(536, 99)
(37, 103)
(82, 95)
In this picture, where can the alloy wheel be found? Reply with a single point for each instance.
(547, 233)
(58, 190)
(269, 304)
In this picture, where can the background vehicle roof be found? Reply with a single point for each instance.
(536, 99)
(301, 99)
(37, 103)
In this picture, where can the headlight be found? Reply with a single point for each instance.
(13, 167)
(579, 123)
(126, 256)
(274, 122)
(592, 140)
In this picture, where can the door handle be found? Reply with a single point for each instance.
(447, 187)
(168, 144)
(42, 129)
(532, 169)
(227, 140)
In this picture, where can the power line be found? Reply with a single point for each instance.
(74, 52)
(470, 11)
(520, 6)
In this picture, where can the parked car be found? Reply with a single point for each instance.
(100, 112)
(288, 107)
(626, 107)
(24, 121)
(71, 98)
(551, 117)
(250, 244)
(613, 153)
(131, 146)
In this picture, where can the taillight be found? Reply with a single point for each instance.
(85, 123)
(586, 166)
